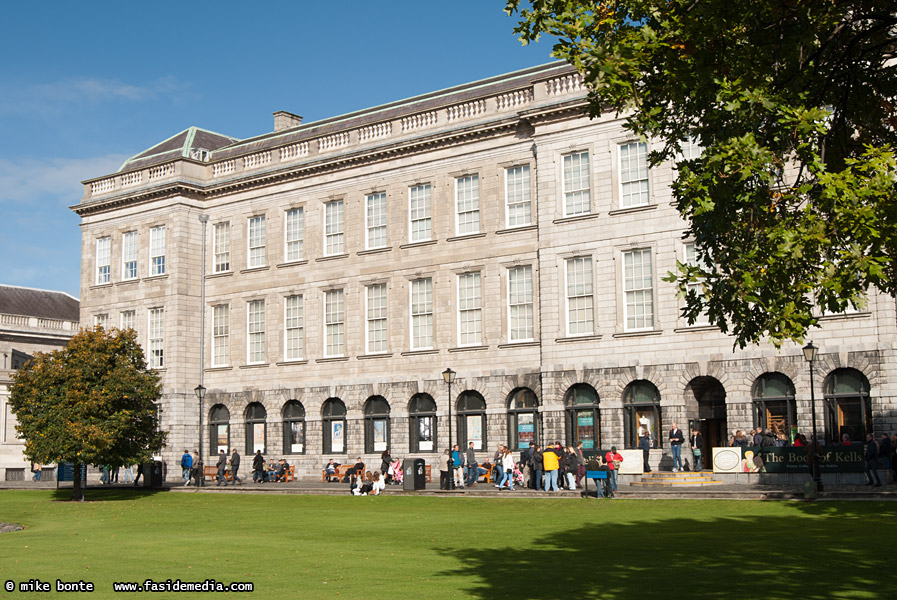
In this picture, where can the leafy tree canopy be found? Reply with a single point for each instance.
(91, 402)
(792, 203)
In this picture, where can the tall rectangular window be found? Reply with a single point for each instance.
(422, 314)
(220, 335)
(334, 323)
(521, 319)
(294, 328)
(333, 228)
(691, 259)
(294, 235)
(634, 175)
(104, 257)
(375, 220)
(101, 320)
(420, 213)
(157, 250)
(221, 247)
(577, 194)
(155, 338)
(255, 349)
(376, 318)
(517, 194)
(127, 319)
(257, 254)
(129, 255)
(470, 309)
(467, 203)
(580, 304)
(638, 289)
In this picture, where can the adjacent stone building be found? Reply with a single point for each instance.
(491, 228)
(30, 321)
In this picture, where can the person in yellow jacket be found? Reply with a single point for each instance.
(550, 459)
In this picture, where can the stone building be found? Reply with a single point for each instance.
(30, 321)
(491, 228)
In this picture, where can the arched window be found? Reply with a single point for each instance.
(523, 418)
(583, 418)
(471, 420)
(774, 406)
(376, 424)
(333, 419)
(256, 429)
(848, 409)
(293, 428)
(219, 429)
(422, 413)
(641, 413)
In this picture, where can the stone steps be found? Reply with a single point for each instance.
(682, 479)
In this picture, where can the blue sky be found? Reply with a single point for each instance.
(84, 85)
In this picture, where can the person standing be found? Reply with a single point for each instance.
(644, 444)
(444, 477)
(222, 467)
(551, 463)
(258, 467)
(37, 470)
(235, 466)
(884, 451)
(186, 467)
(697, 448)
(538, 467)
(471, 462)
(872, 461)
(197, 468)
(613, 460)
(580, 464)
(385, 460)
(458, 466)
(676, 439)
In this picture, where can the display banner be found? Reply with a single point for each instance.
(791, 459)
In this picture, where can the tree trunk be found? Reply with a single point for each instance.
(77, 490)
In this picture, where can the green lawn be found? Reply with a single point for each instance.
(302, 547)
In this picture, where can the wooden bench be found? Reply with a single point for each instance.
(289, 475)
(340, 472)
(211, 472)
(487, 476)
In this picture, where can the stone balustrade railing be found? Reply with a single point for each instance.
(129, 179)
(372, 132)
(294, 151)
(331, 142)
(38, 322)
(259, 159)
(224, 167)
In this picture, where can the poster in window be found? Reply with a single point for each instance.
(258, 437)
(646, 422)
(379, 435)
(297, 441)
(585, 430)
(336, 436)
(425, 433)
(526, 430)
(475, 431)
(221, 438)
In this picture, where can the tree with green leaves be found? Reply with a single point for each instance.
(792, 204)
(92, 402)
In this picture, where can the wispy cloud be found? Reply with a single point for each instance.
(32, 180)
(61, 96)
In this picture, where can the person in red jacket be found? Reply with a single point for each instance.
(613, 459)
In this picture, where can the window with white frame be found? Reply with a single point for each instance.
(129, 255)
(221, 247)
(422, 314)
(294, 234)
(634, 175)
(294, 328)
(220, 335)
(580, 303)
(467, 204)
(470, 309)
(157, 250)
(104, 256)
(376, 318)
(334, 242)
(689, 149)
(156, 338)
(419, 213)
(375, 220)
(127, 318)
(257, 255)
(517, 195)
(521, 319)
(101, 320)
(255, 328)
(691, 259)
(334, 323)
(638, 288)
(577, 184)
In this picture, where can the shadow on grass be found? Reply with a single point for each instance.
(827, 555)
(110, 494)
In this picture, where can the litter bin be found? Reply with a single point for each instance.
(152, 474)
(414, 474)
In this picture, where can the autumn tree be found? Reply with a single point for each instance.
(792, 203)
(92, 402)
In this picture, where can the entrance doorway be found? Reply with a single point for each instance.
(711, 398)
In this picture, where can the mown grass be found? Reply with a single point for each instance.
(426, 547)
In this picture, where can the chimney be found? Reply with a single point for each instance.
(284, 120)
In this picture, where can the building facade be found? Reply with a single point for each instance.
(318, 279)
(30, 321)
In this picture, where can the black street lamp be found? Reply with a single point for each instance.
(449, 376)
(200, 391)
(810, 356)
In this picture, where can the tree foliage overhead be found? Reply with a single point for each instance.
(92, 402)
(792, 204)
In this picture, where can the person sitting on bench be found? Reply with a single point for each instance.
(358, 469)
(330, 470)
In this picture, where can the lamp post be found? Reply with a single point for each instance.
(449, 376)
(200, 392)
(810, 356)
